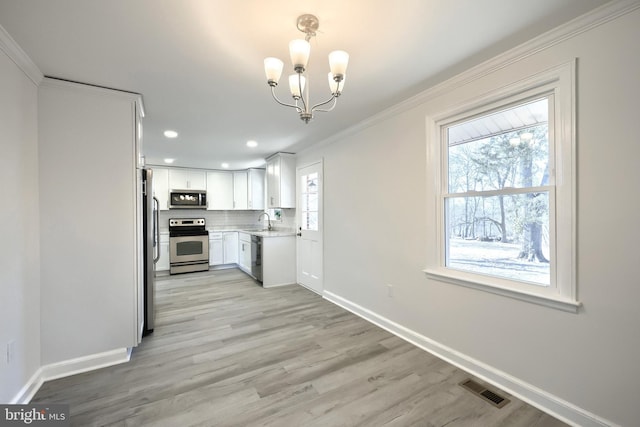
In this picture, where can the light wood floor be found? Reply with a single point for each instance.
(226, 352)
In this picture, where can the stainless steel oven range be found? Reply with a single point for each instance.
(188, 245)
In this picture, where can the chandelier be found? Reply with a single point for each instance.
(299, 51)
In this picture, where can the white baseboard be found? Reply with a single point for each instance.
(29, 390)
(277, 285)
(553, 405)
(67, 368)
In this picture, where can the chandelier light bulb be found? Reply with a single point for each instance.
(273, 70)
(338, 61)
(299, 50)
(296, 83)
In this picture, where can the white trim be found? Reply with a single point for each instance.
(67, 368)
(29, 390)
(558, 81)
(278, 285)
(551, 301)
(553, 405)
(573, 28)
(9, 46)
(312, 290)
(133, 96)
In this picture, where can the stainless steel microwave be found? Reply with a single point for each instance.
(187, 199)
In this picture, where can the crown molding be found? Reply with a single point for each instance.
(9, 46)
(570, 29)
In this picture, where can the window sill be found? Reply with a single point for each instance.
(555, 302)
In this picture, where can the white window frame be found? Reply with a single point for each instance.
(559, 84)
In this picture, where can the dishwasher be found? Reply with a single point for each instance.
(256, 257)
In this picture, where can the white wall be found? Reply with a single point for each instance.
(88, 220)
(19, 228)
(376, 234)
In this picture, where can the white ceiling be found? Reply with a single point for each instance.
(198, 63)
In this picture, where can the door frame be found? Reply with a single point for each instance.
(319, 162)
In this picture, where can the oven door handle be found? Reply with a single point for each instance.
(156, 226)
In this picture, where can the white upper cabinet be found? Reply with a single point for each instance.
(240, 190)
(226, 190)
(281, 181)
(161, 187)
(237, 190)
(255, 189)
(185, 179)
(219, 190)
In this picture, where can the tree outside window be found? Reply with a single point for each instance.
(497, 204)
(502, 185)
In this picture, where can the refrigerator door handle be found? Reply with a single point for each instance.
(156, 227)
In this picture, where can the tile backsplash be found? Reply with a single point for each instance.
(228, 219)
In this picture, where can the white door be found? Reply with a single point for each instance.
(309, 249)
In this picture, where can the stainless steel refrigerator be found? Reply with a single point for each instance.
(150, 248)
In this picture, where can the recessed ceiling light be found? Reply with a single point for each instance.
(225, 165)
(252, 144)
(169, 160)
(170, 133)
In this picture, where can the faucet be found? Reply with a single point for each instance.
(268, 220)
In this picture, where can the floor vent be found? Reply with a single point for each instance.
(484, 393)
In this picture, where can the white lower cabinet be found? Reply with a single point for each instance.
(216, 253)
(278, 261)
(163, 261)
(244, 252)
(230, 241)
(223, 247)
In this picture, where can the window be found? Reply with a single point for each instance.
(275, 214)
(309, 203)
(497, 200)
(504, 192)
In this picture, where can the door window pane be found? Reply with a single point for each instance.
(309, 204)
